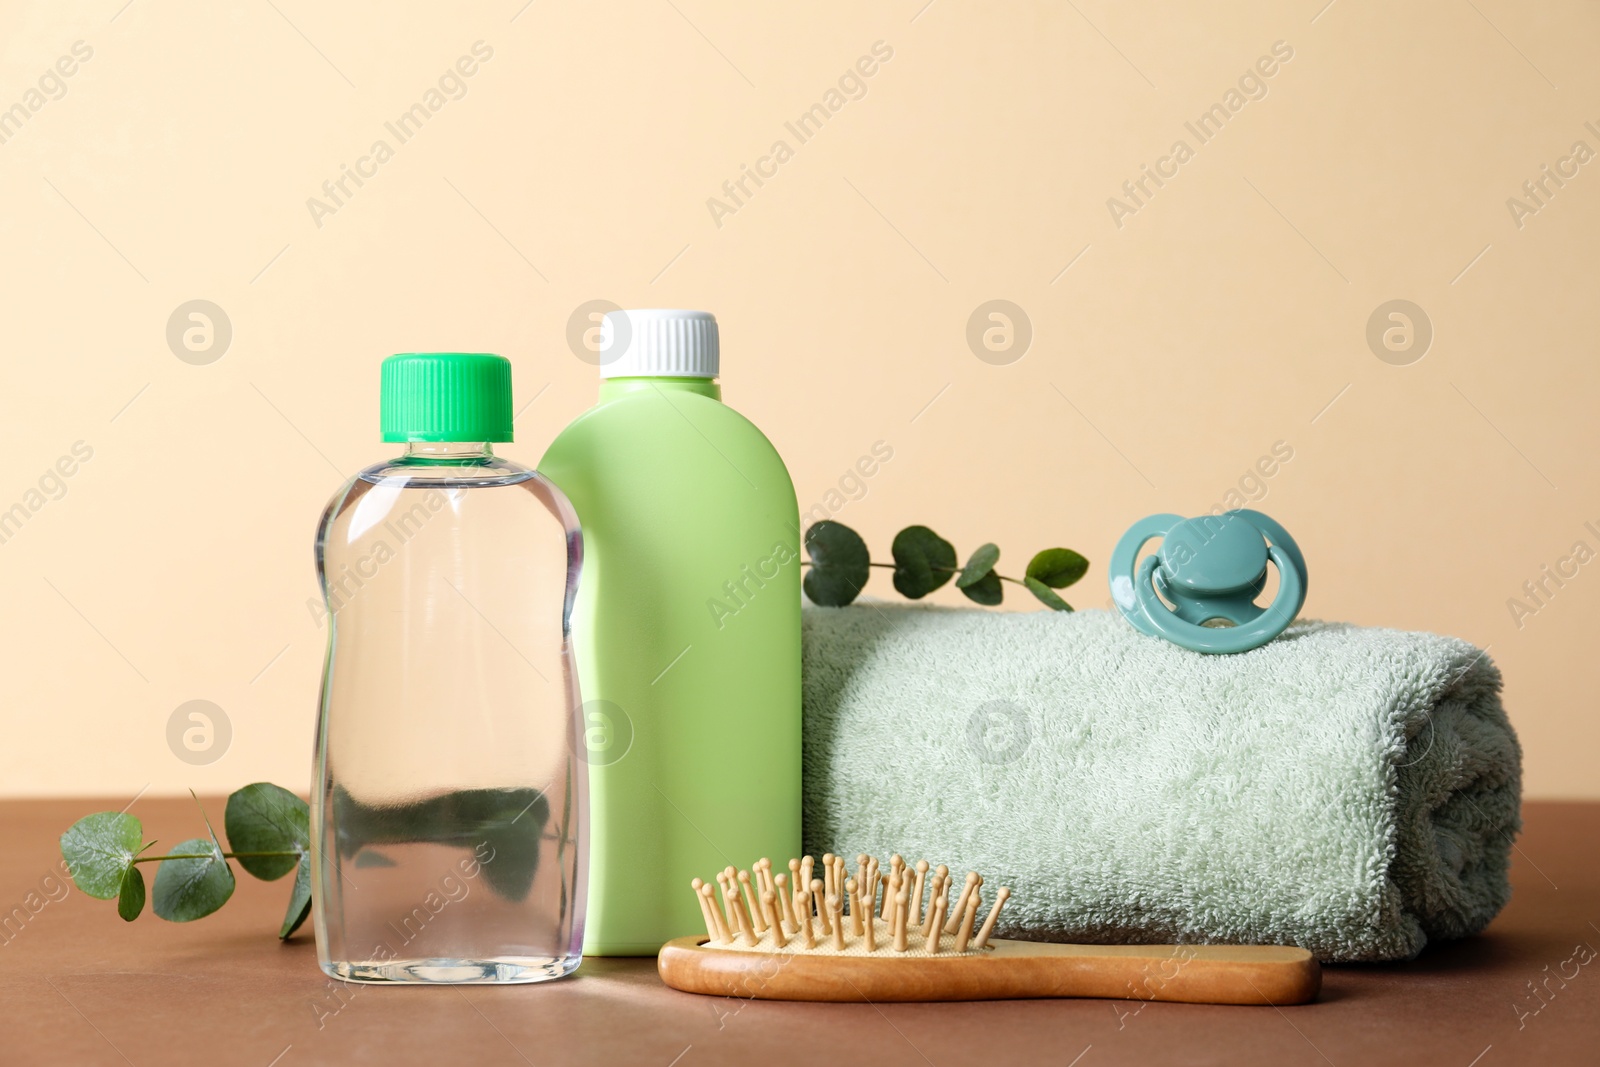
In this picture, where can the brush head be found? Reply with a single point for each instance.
(873, 910)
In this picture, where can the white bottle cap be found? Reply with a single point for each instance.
(658, 343)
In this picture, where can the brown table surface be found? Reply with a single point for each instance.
(81, 987)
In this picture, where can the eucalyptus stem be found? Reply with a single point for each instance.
(936, 570)
(207, 856)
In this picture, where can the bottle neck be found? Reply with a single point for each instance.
(612, 388)
(447, 452)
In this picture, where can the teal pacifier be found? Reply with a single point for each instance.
(1211, 570)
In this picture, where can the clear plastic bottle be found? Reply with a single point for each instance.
(449, 809)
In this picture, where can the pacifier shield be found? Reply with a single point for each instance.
(1210, 568)
(1214, 555)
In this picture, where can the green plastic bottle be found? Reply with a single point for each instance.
(686, 631)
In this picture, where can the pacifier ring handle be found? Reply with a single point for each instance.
(1225, 640)
(1123, 558)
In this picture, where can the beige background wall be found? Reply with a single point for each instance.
(1226, 314)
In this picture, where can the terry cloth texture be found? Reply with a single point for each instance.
(1354, 791)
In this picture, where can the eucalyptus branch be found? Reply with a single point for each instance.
(268, 831)
(923, 561)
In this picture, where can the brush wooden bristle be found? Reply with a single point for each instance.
(896, 907)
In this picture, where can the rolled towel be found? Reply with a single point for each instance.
(1353, 791)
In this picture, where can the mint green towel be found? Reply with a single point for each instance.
(1353, 791)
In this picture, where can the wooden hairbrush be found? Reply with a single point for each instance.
(894, 935)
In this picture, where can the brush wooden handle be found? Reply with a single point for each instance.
(1197, 974)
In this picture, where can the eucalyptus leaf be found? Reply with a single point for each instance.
(510, 850)
(1057, 567)
(267, 818)
(986, 590)
(1046, 594)
(979, 564)
(299, 899)
(923, 561)
(503, 828)
(839, 564)
(99, 850)
(189, 889)
(130, 900)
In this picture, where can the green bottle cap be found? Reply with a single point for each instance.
(446, 396)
